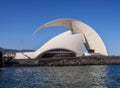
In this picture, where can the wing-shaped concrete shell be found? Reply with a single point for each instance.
(93, 40)
(64, 40)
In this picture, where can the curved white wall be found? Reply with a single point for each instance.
(66, 40)
(69, 41)
(93, 40)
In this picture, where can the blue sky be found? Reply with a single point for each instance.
(20, 18)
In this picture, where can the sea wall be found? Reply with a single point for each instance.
(70, 61)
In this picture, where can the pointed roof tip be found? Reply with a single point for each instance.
(34, 32)
(37, 30)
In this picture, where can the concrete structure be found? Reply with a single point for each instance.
(83, 35)
(65, 41)
(93, 42)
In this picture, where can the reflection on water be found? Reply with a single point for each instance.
(61, 77)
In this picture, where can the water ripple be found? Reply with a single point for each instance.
(101, 76)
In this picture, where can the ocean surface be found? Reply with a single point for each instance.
(95, 76)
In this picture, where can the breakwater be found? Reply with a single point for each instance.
(70, 61)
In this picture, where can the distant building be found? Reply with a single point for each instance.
(69, 43)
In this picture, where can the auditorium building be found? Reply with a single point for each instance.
(71, 43)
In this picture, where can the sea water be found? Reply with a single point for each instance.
(94, 76)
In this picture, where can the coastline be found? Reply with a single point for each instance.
(69, 61)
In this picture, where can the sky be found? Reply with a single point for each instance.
(20, 18)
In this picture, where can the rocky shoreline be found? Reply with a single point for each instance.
(69, 61)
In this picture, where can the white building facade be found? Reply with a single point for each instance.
(84, 36)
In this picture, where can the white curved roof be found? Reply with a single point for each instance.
(73, 42)
(66, 40)
(93, 40)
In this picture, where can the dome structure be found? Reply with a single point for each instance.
(83, 35)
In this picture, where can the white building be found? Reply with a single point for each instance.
(68, 42)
